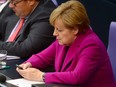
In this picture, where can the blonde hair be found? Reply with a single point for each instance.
(72, 13)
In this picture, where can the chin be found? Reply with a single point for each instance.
(61, 43)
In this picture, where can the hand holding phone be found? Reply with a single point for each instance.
(19, 67)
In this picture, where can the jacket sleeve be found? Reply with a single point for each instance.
(44, 58)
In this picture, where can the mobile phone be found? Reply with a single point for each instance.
(19, 67)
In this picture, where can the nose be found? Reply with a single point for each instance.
(11, 5)
(55, 32)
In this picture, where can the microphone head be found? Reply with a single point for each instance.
(2, 78)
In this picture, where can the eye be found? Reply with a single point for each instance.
(59, 30)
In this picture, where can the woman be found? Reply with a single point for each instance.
(78, 55)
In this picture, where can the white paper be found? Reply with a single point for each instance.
(12, 57)
(21, 82)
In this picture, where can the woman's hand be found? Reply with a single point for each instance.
(31, 74)
(24, 66)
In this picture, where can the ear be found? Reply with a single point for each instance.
(76, 30)
(31, 2)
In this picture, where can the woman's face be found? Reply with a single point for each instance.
(64, 35)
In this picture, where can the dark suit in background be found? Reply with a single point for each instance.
(4, 14)
(35, 35)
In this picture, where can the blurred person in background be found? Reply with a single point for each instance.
(5, 12)
(58, 2)
(35, 33)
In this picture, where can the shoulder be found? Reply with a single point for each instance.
(91, 39)
(42, 11)
(46, 6)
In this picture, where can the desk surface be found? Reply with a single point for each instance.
(12, 74)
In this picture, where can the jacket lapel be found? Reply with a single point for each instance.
(10, 26)
(60, 57)
(73, 51)
(70, 55)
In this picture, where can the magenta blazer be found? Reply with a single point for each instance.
(84, 63)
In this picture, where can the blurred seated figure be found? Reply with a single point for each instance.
(5, 12)
(78, 55)
(58, 2)
(112, 46)
(3, 3)
(28, 31)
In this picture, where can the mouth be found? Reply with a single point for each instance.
(57, 38)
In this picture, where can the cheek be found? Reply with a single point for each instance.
(66, 40)
(62, 39)
(18, 11)
(21, 13)
(69, 40)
